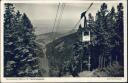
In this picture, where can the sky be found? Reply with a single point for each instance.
(42, 15)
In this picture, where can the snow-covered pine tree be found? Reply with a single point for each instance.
(76, 63)
(93, 43)
(29, 58)
(120, 31)
(108, 34)
(101, 27)
(111, 38)
(105, 33)
(9, 40)
(20, 49)
(18, 42)
(91, 22)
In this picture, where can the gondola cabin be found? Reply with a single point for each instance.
(85, 37)
(83, 31)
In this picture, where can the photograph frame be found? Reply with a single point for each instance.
(65, 79)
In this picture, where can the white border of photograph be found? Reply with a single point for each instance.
(66, 79)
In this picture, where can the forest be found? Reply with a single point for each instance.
(103, 55)
(105, 50)
(21, 52)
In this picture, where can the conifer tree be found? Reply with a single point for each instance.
(109, 31)
(9, 40)
(119, 31)
(91, 26)
(111, 38)
(28, 55)
(76, 59)
(101, 32)
(105, 24)
(20, 49)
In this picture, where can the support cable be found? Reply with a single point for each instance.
(61, 15)
(52, 50)
(80, 18)
(55, 18)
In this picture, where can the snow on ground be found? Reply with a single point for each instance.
(86, 74)
(83, 74)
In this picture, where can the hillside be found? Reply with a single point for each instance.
(62, 45)
(48, 37)
(60, 51)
